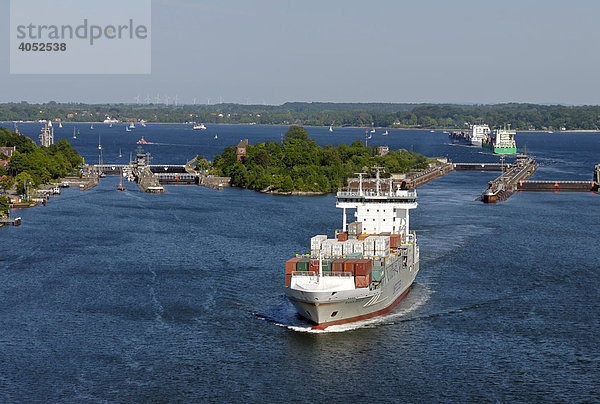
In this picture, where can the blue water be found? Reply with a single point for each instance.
(131, 297)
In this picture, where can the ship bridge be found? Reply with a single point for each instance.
(380, 210)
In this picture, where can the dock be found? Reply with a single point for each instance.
(10, 222)
(507, 183)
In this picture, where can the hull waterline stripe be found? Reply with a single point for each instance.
(322, 326)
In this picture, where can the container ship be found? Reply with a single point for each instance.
(367, 269)
(501, 142)
(474, 137)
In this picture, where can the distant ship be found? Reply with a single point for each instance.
(367, 270)
(473, 137)
(199, 127)
(501, 142)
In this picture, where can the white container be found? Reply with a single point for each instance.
(357, 247)
(316, 241)
(382, 244)
(337, 248)
(326, 248)
(369, 245)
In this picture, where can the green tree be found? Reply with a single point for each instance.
(22, 179)
(296, 132)
(4, 205)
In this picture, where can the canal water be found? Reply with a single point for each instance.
(129, 297)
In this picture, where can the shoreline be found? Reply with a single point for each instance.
(308, 126)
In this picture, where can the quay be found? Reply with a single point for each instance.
(506, 184)
(10, 222)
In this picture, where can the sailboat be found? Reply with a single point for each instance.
(120, 155)
(131, 126)
(216, 137)
(385, 133)
(74, 137)
(121, 187)
(110, 126)
(60, 124)
(373, 130)
(127, 129)
(330, 129)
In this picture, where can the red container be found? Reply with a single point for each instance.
(395, 240)
(313, 266)
(363, 267)
(350, 264)
(343, 236)
(290, 265)
(288, 278)
(338, 265)
(364, 236)
(362, 281)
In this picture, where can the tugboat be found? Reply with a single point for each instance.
(364, 272)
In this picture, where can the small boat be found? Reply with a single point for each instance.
(92, 127)
(330, 129)
(142, 141)
(432, 131)
(110, 126)
(385, 133)
(373, 130)
(131, 126)
(199, 127)
(127, 129)
(216, 137)
(143, 123)
(60, 124)
(74, 136)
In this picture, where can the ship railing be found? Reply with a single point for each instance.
(325, 273)
(401, 193)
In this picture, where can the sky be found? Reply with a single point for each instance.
(275, 51)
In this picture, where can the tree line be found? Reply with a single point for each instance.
(520, 116)
(38, 165)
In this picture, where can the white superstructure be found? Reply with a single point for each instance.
(478, 134)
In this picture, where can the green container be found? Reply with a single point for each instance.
(326, 265)
(377, 274)
(302, 265)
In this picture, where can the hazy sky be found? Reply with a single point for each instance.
(273, 51)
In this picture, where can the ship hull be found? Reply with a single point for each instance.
(350, 306)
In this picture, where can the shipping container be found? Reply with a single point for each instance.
(377, 274)
(343, 236)
(395, 240)
(315, 241)
(290, 265)
(302, 265)
(354, 255)
(355, 229)
(382, 244)
(349, 265)
(326, 248)
(362, 281)
(338, 265)
(337, 248)
(363, 267)
(364, 236)
(313, 266)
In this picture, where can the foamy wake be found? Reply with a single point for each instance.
(417, 297)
